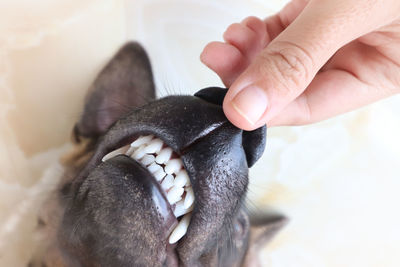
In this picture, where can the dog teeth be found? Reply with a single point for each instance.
(180, 230)
(175, 194)
(138, 154)
(154, 146)
(114, 153)
(168, 182)
(173, 166)
(180, 209)
(142, 140)
(160, 174)
(154, 167)
(164, 155)
(182, 178)
(130, 151)
(147, 160)
(171, 175)
(189, 198)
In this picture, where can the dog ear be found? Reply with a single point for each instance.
(253, 141)
(125, 83)
(262, 230)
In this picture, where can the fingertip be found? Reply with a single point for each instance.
(206, 55)
(220, 55)
(247, 41)
(236, 118)
(233, 28)
(246, 109)
(224, 59)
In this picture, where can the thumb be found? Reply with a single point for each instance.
(283, 70)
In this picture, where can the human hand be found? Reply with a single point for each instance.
(311, 61)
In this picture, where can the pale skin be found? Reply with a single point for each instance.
(311, 61)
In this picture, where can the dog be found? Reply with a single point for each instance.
(113, 209)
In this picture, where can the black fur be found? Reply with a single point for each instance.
(114, 212)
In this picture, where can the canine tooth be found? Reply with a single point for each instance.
(153, 167)
(164, 155)
(130, 151)
(147, 159)
(160, 174)
(181, 179)
(114, 153)
(154, 146)
(142, 140)
(174, 194)
(181, 229)
(168, 182)
(180, 209)
(189, 198)
(173, 165)
(138, 154)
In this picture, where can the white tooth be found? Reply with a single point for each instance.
(181, 229)
(160, 174)
(154, 146)
(153, 167)
(182, 178)
(180, 209)
(147, 159)
(168, 182)
(114, 153)
(173, 165)
(142, 140)
(164, 155)
(139, 153)
(189, 198)
(130, 151)
(174, 194)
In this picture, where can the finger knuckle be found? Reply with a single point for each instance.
(289, 63)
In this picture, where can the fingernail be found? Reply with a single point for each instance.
(250, 103)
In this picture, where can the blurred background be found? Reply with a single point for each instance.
(338, 181)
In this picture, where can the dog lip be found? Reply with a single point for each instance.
(115, 144)
(164, 208)
(110, 144)
(158, 196)
(194, 119)
(127, 141)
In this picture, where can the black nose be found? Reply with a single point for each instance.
(213, 95)
(253, 141)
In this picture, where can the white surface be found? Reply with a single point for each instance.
(337, 181)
